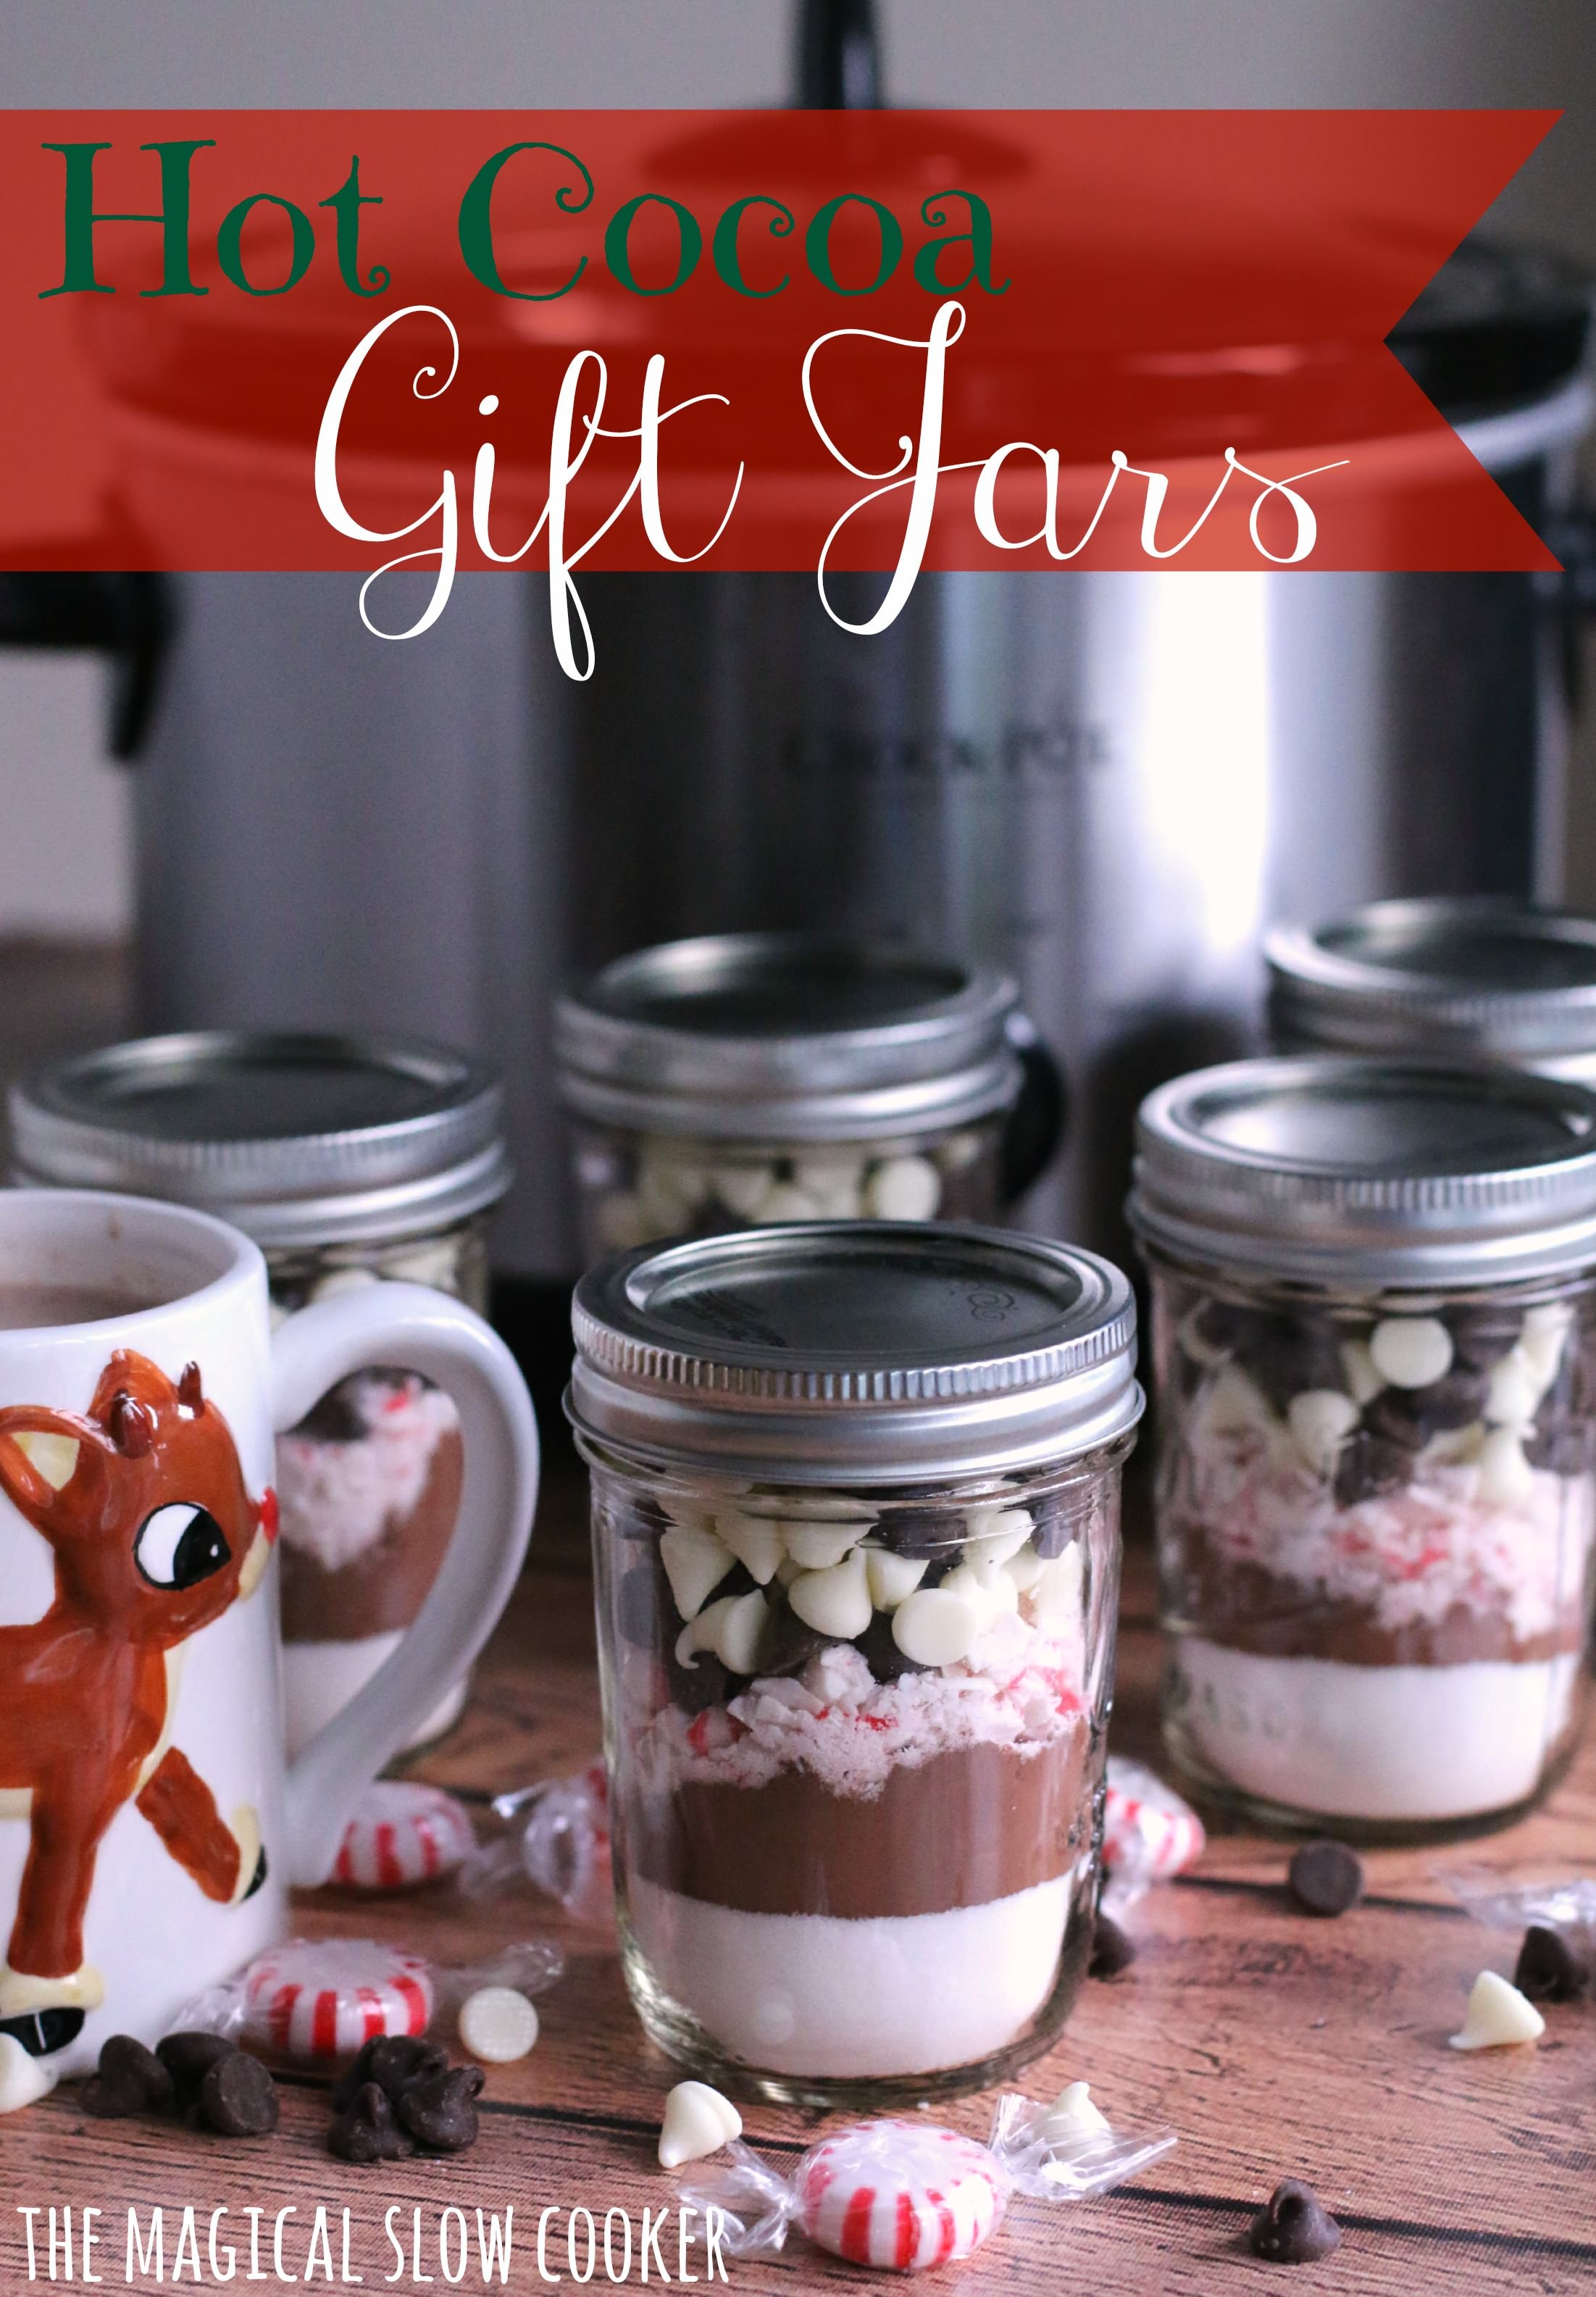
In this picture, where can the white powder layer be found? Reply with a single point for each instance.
(1407, 1557)
(820, 1995)
(1398, 1743)
(1021, 1687)
(338, 1499)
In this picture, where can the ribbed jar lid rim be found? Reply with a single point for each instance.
(1367, 1170)
(1489, 974)
(295, 1138)
(868, 1351)
(799, 1036)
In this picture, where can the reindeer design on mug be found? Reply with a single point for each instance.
(143, 1503)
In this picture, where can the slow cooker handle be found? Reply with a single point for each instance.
(1035, 1126)
(839, 56)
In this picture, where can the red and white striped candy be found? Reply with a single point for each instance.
(1148, 1832)
(323, 2000)
(900, 2195)
(400, 1833)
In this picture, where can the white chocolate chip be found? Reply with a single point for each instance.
(1232, 1405)
(1024, 1568)
(1545, 1335)
(892, 1578)
(787, 1203)
(733, 1629)
(1358, 1370)
(497, 2025)
(996, 1534)
(1497, 2015)
(698, 2122)
(695, 1563)
(23, 2079)
(743, 1188)
(1321, 1419)
(670, 1188)
(1513, 1390)
(755, 1540)
(339, 1280)
(989, 1593)
(1071, 2118)
(936, 1628)
(958, 1152)
(834, 1182)
(836, 1602)
(436, 1262)
(904, 1188)
(815, 1546)
(1506, 1478)
(1056, 1597)
(1411, 1351)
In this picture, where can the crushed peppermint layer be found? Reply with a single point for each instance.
(1021, 1688)
(1407, 1557)
(337, 1499)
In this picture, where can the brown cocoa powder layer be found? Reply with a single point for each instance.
(973, 1825)
(1249, 1609)
(382, 1589)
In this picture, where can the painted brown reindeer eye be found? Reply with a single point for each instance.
(179, 1545)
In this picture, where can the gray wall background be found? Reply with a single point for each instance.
(64, 856)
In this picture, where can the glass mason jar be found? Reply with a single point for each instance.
(746, 1079)
(856, 1530)
(349, 1160)
(1374, 1353)
(1459, 976)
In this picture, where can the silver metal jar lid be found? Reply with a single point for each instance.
(1476, 974)
(786, 1037)
(1363, 1171)
(296, 1139)
(855, 1352)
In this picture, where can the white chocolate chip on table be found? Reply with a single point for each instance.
(1070, 2119)
(1498, 2016)
(697, 2121)
(498, 2024)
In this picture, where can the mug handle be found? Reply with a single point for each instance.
(424, 1331)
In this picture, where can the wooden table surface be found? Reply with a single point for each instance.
(1274, 2045)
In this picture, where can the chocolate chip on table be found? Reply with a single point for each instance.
(440, 2111)
(238, 2097)
(1293, 2227)
(392, 2062)
(366, 2129)
(1369, 1466)
(130, 2079)
(1549, 1969)
(1326, 1878)
(188, 2057)
(1113, 1950)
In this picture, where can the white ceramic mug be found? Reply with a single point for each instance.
(150, 1823)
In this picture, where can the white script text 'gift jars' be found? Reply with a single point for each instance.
(1374, 1352)
(745, 1080)
(856, 1528)
(349, 1160)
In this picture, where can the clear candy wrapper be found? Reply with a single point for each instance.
(322, 1999)
(1556, 1916)
(903, 2196)
(558, 1839)
(1148, 1833)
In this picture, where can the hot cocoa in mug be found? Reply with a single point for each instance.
(150, 1825)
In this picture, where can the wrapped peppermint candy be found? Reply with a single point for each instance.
(324, 1998)
(401, 1834)
(902, 2197)
(559, 1839)
(1148, 1833)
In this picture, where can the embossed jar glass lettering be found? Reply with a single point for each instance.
(1374, 1348)
(856, 1529)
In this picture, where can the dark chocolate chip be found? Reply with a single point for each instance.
(1412, 1415)
(1293, 2227)
(393, 2062)
(439, 2112)
(637, 1607)
(336, 1419)
(702, 1684)
(1370, 1465)
(1482, 1337)
(921, 1531)
(1055, 1520)
(366, 2129)
(1284, 1356)
(1113, 1950)
(881, 1655)
(188, 2057)
(238, 2098)
(1548, 1968)
(1559, 1441)
(130, 2079)
(788, 1643)
(1326, 1878)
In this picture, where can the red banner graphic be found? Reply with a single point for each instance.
(777, 340)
